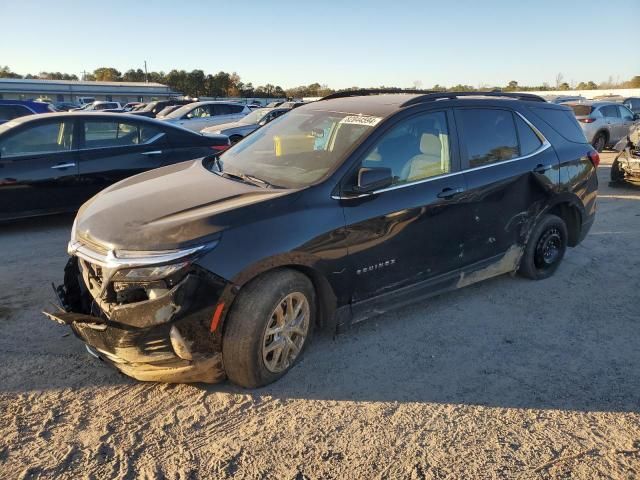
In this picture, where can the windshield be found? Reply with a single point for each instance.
(149, 106)
(297, 149)
(255, 116)
(184, 109)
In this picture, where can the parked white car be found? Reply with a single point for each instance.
(99, 106)
(199, 115)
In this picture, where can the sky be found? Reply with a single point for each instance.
(339, 43)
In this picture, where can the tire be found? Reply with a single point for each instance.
(545, 249)
(261, 307)
(235, 139)
(617, 174)
(599, 141)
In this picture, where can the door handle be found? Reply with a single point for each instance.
(64, 165)
(450, 192)
(540, 168)
(155, 152)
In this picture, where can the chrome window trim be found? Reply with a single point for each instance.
(545, 145)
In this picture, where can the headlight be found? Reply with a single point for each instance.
(148, 274)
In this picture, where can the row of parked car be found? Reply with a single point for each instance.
(54, 162)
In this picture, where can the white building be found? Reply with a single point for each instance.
(72, 90)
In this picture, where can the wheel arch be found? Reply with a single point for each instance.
(327, 302)
(604, 132)
(571, 211)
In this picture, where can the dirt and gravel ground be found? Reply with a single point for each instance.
(505, 379)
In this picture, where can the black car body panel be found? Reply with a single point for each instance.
(364, 253)
(59, 177)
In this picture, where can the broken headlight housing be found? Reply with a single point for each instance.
(148, 274)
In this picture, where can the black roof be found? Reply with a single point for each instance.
(386, 102)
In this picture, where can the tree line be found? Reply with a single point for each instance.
(222, 84)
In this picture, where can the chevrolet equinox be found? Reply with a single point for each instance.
(340, 210)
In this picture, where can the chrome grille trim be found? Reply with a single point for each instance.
(112, 262)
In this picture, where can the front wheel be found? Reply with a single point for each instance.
(545, 249)
(268, 327)
(599, 142)
(617, 174)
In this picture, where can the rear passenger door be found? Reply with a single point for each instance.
(613, 120)
(627, 121)
(509, 168)
(113, 149)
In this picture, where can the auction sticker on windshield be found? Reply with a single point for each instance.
(361, 120)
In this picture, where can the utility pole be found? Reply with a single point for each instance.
(146, 75)
(84, 75)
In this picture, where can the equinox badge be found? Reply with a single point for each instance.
(376, 266)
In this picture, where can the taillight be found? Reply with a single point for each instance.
(219, 148)
(587, 120)
(594, 157)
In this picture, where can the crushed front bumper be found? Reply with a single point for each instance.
(165, 339)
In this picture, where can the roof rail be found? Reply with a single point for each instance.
(372, 91)
(453, 95)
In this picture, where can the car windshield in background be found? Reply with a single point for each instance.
(580, 110)
(255, 116)
(179, 112)
(297, 149)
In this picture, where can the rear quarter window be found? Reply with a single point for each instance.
(562, 121)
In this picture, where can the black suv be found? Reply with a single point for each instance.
(337, 211)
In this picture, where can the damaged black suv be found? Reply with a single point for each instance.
(337, 211)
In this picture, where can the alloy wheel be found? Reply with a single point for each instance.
(286, 332)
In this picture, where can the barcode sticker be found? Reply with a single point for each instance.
(361, 120)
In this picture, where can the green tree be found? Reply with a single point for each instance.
(107, 74)
(5, 72)
(134, 75)
(633, 83)
(512, 86)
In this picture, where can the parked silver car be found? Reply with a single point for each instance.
(236, 131)
(603, 123)
(199, 115)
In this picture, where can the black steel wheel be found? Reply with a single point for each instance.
(545, 249)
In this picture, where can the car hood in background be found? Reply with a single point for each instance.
(172, 207)
(231, 127)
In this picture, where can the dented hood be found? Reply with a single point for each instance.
(172, 207)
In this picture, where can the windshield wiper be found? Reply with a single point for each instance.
(243, 177)
(246, 178)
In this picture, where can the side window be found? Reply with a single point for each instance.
(44, 138)
(489, 135)
(98, 134)
(610, 111)
(415, 149)
(147, 132)
(529, 141)
(236, 108)
(202, 111)
(625, 113)
(221, 109)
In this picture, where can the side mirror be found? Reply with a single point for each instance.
(372, 179)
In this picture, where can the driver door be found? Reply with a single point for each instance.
(408, 233)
